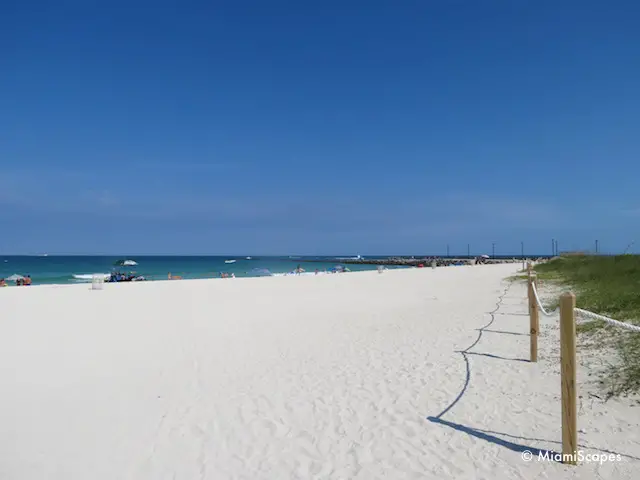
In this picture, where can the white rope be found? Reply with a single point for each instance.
(535, 292)
(586, 314)
(595, 316)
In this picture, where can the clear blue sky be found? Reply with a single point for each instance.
(278, 127)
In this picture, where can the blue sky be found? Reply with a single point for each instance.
(280, 127)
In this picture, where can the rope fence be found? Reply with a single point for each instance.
(583, 313)
(568, 312)
(544, 312)
(610, 321)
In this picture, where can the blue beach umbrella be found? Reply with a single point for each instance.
(261, 272)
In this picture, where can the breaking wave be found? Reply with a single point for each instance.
(89, 276)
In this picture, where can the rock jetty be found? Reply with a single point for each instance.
(428, 261)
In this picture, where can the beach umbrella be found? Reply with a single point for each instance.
(14, 277)
(261, 272)
(484, 256)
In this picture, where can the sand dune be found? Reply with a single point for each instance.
(349, 376)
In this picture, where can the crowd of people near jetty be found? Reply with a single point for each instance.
(19, 281)
(263, 272)
(133, 277)
(116, 277)
(337, 269)
(222, 275)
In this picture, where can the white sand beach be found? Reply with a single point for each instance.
(346, 376)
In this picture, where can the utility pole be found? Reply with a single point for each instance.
(468, 251)
(493, 249)
(553, 247)
(556, 248)
(596, 246)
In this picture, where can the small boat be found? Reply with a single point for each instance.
(125, 263)
(230, 261)
(248, 258)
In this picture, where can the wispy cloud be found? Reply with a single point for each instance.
(520, 210)
(107, 169)
(305, 221)
(180, 165)
(428, 214)
(480, 211)
(630, 212)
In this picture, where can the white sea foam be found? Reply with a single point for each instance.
(89, 276)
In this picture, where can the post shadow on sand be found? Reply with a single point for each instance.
(488, 435)
(516, 447)
(589, 447)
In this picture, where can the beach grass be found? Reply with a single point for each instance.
(608, 285)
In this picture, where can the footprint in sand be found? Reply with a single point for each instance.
(264, 428)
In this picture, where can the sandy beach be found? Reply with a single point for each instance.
(346, 376)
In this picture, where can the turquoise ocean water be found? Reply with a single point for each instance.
(77, 269)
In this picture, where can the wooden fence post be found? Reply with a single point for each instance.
(568, 378)
(533, 320)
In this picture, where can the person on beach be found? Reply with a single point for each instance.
(27, 280)
(3, 283)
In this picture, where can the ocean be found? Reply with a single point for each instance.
(78, 269)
